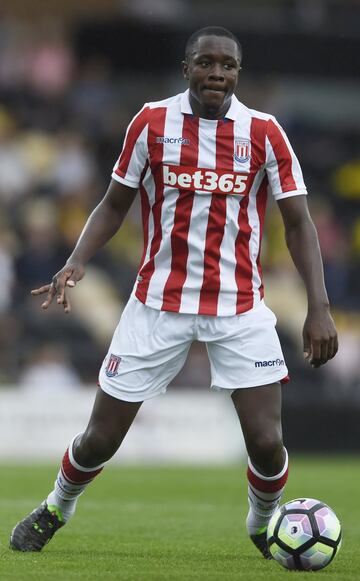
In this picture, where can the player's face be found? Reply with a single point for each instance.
(212, 71)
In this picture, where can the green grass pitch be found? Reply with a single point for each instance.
(174, 523)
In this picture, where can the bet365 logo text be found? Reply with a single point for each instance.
(204, 180)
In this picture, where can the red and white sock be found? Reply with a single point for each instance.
(264, 494)
(71, 481)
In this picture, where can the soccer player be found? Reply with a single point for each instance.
(203, 163)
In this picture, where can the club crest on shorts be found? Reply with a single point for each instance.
(113, 365)
(242, 150)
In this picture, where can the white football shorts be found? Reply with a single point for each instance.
(149, 347)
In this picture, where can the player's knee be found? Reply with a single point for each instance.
(266, 452)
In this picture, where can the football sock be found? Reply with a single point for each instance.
(71, 481)
(264, 494)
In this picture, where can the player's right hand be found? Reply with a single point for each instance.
(68, 276)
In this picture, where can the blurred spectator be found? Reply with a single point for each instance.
(13, 47)
(7, 271)
(49, 63)
(343, 372)
(44, 253)
(156, 10)
(347, 180)
(93, 97)
(310, 15)
(335, 248)
(14, 171)
(74, 167)
(97, 305)
(48, 369)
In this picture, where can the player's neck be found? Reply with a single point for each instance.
(204, 112)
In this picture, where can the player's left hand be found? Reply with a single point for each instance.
(320, 337)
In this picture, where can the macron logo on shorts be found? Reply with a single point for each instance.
(270, 363)
(113, 365)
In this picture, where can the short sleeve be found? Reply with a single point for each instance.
(282, 166)
(129, 167)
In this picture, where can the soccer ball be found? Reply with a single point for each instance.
(304, 534)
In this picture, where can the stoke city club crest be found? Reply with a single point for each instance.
(112, 365)
(242, 150)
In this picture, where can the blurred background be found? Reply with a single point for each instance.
(71, 77)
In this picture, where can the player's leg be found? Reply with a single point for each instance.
(87, 453)
(109, 423)
(83, 460)
(259, 412)
(244, 353)
(148, 349)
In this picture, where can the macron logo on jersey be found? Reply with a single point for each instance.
(203, 180)
(180, 140)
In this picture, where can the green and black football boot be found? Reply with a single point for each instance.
(35, 530)
(260, 541)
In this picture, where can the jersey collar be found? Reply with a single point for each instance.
(233, 112)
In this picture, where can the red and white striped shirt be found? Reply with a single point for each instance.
(203, 186)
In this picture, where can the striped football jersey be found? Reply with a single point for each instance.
(203, 185)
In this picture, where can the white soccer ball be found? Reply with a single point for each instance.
(304, 534)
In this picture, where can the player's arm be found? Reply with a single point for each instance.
(102, 224)
(319, 333)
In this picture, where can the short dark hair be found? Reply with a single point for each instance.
(210, 31)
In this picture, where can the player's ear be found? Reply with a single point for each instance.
(185, 69)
